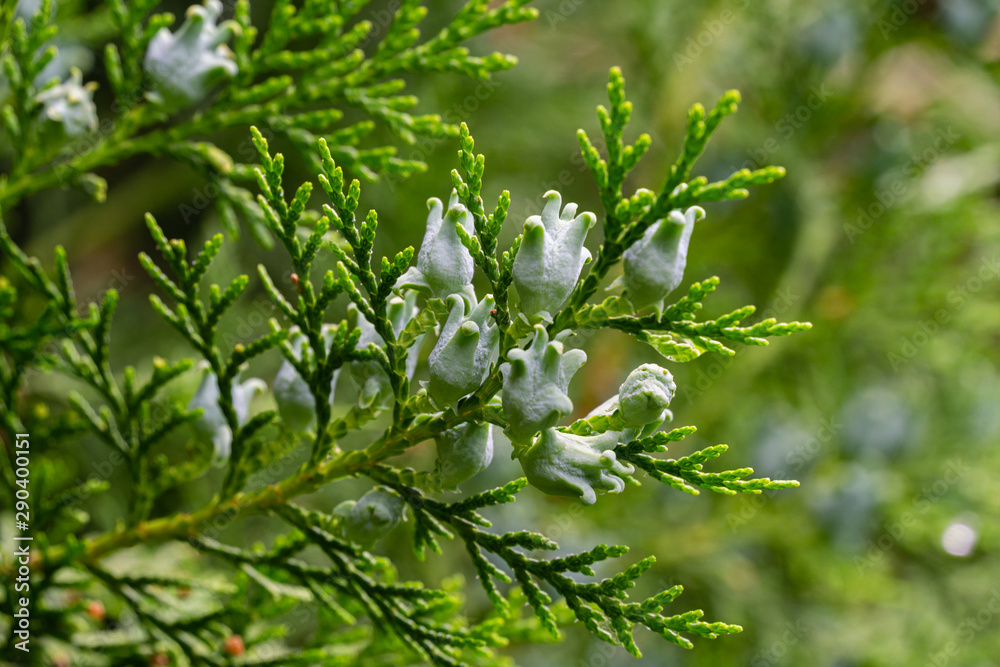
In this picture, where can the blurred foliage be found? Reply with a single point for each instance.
(885, 234)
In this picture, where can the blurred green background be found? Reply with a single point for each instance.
(885, 235)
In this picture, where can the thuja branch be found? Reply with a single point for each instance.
(599, 605)
(156, 74)
(303, 482)
(501, 359)
(628, 218)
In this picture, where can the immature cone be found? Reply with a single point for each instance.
(654, 265)
(368, 519)
(444, 265)
(296, 404)
(551, 256)
(463, 452)
(375, 388)
(535, 382)
(187, 64)
(644, 396)
(211, 427)
(400, 311)
(243, 395)
(465, 351)
(575, 466)
(69, 106)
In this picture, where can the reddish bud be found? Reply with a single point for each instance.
(234, 645)
(95, 609)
